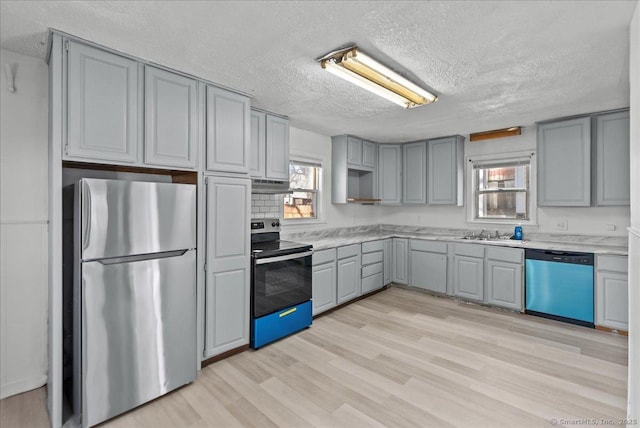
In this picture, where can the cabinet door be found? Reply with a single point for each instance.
(429, 271)
(504, 284)
(444, 171)
(388, 260)
(560, 145)
(414, 184)
(389, 173)
(349, 279)
(227, 264)
(258, 143)
(400, 260)
(102, 105)
(277, 148)
(354, 151)
(612, 159)
(228, 138)
(368, 154)
(324, 287)
(468, 277)
(612, 300)
(171, 119)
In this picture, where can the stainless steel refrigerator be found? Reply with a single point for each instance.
(134, 296)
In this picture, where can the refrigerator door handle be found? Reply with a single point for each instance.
(139, 257)
(86, 216)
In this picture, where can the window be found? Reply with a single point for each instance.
(304, 179)
(501, 190)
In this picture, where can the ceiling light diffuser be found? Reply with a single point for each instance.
(364, 71)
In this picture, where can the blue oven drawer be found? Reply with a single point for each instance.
(279, 324)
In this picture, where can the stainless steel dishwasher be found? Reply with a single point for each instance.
(559, 285)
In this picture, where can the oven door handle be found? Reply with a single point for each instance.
(283, 258)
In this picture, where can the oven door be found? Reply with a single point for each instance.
(280, 282)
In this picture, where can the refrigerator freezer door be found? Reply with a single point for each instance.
(123, 218)
(139, 332)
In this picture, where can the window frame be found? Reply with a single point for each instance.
(319, 163)
(507, 159)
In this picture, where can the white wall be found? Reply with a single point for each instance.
(633, 411)
(309, 145)
(592, 220)
(23, 218)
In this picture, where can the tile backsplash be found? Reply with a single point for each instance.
(266, 206)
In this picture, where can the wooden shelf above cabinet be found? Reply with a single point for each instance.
(365, 200)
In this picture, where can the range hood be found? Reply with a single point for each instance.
(272, 187)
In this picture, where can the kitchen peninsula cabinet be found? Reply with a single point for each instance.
(414, 173)
(561, 144)
(390, 173)
(227, 283)
(227, 131)
(429, 265)
(171, 119)
(349, 275)
(102, 106)
(324, 295)
(612, 292)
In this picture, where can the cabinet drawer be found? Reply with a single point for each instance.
(370, 258)
(512, 255)
(371, 246)
(372, 269)
(348, 251)
(469, 250)
(371, 283)
(612, 263)
(431, 246)
(324, 256)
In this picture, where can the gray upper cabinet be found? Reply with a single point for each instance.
(102, 106)
(258, 143)
(414, 183)
(368, 154)
(612, 158)
(227, 264)
(227, 130)
(171, 121)
(564, 163)
(277, 148)
(354, 151)
(445, 171)
(390, 173)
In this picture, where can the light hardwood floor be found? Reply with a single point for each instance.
(398, 358)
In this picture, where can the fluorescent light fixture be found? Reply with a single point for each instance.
(362, 70)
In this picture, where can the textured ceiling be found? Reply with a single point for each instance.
(492, 63)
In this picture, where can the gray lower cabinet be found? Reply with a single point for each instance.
(468, 271)
(388, 261)
(400, 261)
(102, 106)
(390, 173)
(258, 144)
(171, 119)
(504, 277)
(349, 279)
(612, 182)
(227, 131)
(429, 265)
(372, 266)
(227, 286)
(561, 144)
(445, 168)
(612, 292)
(414, 173)
(277, 148)
(324, 294)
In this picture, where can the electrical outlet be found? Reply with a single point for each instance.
(611, 228)
(562, 225)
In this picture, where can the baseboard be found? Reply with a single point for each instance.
(22, 385)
